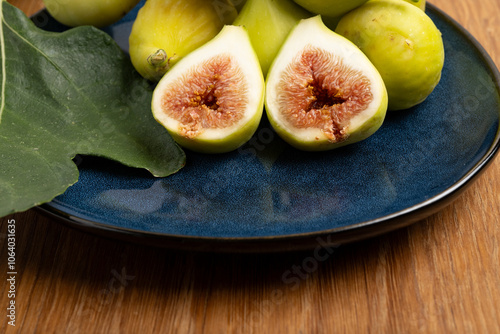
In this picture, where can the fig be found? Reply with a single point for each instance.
(419, 3)
(238, 4)
(97, 13)
(212, 100)
(322, 92)
(404, 45)
(330, 8)
(268, 23)
(167, 30)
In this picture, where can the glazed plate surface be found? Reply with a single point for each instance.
(268, 196)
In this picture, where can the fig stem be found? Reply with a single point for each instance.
(158, 58)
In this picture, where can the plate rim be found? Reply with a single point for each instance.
(307, 240)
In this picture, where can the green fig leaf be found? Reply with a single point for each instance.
(64, 94)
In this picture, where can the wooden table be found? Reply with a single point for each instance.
(440, 275)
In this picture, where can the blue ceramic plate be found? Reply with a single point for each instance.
(268, 196)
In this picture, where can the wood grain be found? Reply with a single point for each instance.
(439, 275)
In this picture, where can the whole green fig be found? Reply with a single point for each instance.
(99, 13)
(403, 43)
(419, 3)
(330, 8)
(167, 30)
(268, 23)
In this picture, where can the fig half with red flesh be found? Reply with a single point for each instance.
(212, 100)
(322, 92)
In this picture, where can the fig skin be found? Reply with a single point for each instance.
(419, 3)
(97, 13)
(404, 45)
(232, 41)
(167, 30)
(330, 8)
(238, 4)
(268, 23)
(312, 32)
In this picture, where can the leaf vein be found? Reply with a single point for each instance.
(49, 59)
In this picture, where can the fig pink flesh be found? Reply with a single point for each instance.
(318, 90)
(212, 95)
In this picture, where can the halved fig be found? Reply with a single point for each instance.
(322, 92)
(212, 100)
